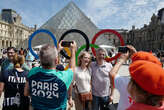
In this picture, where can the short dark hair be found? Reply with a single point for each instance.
(9, 48)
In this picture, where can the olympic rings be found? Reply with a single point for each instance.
(66, 67)
(32, 36)
(75, 31)
(110, 31)
(81, 48)
(68, 51)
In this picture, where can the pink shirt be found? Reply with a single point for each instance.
(140, 106)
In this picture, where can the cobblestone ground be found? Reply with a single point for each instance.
(123, 72)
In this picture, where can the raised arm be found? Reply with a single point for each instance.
(72, 63)
(123, 58)
(117, 66)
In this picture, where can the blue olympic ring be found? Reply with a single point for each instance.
(32, 36)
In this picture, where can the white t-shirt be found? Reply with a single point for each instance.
(83, 80)
(121, 84)
(100, 79)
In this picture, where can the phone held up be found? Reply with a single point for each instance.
(123, 49)
(66, 43)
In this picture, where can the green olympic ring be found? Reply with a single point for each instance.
(83, 47)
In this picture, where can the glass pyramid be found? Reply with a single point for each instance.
(70, 17)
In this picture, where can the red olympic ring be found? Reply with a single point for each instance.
(110, 31)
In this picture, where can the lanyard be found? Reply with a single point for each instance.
(16, 77)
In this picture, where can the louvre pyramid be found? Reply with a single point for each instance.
(70, 17)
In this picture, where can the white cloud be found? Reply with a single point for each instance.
(160, 5)
(99, 10)
(141, 17)
(141, 2)
(122, 14)
(137, 14)
(98, 3)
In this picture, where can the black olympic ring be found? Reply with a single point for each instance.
(75, 31)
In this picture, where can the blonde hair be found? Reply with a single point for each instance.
(18, 60)
(81, 56)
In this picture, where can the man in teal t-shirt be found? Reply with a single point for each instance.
(46, 86)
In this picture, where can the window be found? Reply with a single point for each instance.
(6, 43)
(3, 43)
(10, 44)
(14, 19)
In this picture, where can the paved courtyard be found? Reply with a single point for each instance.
(123, 72)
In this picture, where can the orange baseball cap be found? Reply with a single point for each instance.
(148, 75)
(147, 56)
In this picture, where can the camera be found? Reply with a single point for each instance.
(66, 43)
(123, 49)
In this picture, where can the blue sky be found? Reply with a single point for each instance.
(106, 14)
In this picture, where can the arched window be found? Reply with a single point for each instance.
(6, 43)
(3, 44)
(10, 44)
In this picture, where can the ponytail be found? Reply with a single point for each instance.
(18, 60)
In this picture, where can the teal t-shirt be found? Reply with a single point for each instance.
(48, 88)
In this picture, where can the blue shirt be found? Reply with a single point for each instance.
(48, 88)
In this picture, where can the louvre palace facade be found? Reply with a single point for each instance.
(12, 31)
(150, 37)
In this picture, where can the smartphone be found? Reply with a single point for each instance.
(66, 43)
(123, 49)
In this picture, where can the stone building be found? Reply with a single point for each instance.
(150, 37)
(12, 31)
(113, 39)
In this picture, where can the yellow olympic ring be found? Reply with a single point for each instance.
(69, 54)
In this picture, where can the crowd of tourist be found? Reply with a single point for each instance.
(88, 85)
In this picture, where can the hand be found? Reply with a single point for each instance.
(59, 46)
(70, 102)
(110, 99)
(132, 50)
(73, 46)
